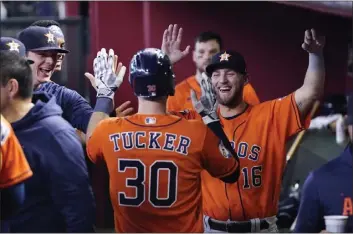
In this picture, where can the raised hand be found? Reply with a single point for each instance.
(171, 43)
(313, 43)
(108, 74)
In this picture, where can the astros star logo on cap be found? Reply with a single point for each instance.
(50, 37)
(224, 56)
(13, 46)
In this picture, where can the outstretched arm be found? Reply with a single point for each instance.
(313, 86)
(108, 76)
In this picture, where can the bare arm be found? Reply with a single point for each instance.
(96, 117)
(313, 86)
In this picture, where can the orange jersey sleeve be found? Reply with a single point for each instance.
(14, 167)
(286, 117)
(249, 95)
(214, 160)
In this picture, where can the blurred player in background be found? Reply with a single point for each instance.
(154, 158)
(58, 195)
(207, 44)
(329, 189)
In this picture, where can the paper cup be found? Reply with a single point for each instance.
(335, 223)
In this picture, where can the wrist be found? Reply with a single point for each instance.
(316, 62)
(317, 54)
(104, 104)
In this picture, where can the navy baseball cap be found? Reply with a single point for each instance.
(350, 110)
(12, 44)
(37, 38)
(227, 59)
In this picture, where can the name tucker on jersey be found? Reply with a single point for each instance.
(151, 140)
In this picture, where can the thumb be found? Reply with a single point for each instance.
(305, 46)
(120, 76)
(186, 51)
(89, 76)
(92, 79)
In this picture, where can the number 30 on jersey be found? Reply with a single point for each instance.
(138, 183)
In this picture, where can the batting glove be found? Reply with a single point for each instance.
(207, 105)
(107, 79)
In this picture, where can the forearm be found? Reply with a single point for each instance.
(103, 108)
(315, 76)
(313, 86)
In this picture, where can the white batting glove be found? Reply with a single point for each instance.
(207, 105)
(107, 78)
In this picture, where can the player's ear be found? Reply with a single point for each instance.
(12, 88)
(246, 78)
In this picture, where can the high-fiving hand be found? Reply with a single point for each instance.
(108, 76)
(313, 43)
(207, 105)
(171, 44)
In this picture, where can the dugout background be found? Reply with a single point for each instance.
(267, 33)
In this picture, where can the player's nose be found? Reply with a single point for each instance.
(208, 56)
(223, 78)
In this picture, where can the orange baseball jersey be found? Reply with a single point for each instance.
(155, 164)
(259, 136)
(181, 99)
(14, 167)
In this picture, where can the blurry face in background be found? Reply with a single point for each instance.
(228, 86)
(203, 53)
(61, 41)
(61, 56)
(43, 66)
